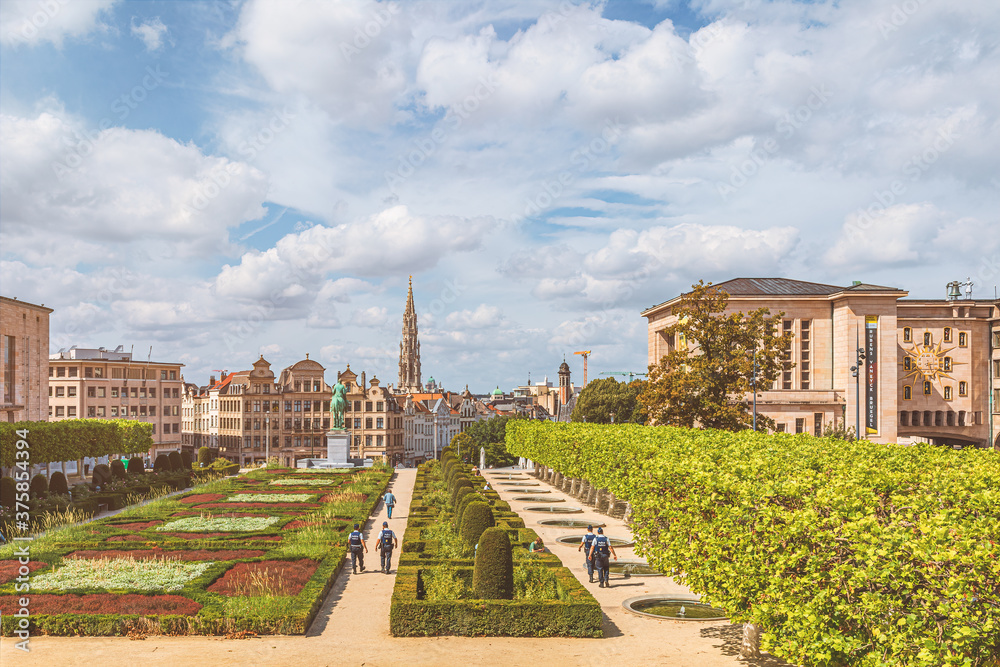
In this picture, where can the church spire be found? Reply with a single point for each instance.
(409, 348)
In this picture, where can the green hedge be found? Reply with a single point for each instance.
(74, 439)
(845, 553)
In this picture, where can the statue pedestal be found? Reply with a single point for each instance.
(338, 447)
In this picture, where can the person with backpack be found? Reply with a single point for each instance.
(386, 543)
(355, 544)
(586, 543)
(390, 502)
(600, 551)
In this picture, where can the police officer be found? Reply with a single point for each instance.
(600, 551)
(355, 544)
(585, 544)
(386, 543)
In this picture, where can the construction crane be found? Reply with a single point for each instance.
(630, 374)
(584, 354)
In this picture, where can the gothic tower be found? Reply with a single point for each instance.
(409, 349)
(564, 388)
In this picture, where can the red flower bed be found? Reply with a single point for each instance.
(190, 554)
(282, 490)
(299, 523)
(202, 498)
(258, 506)
(220, 515)
(127, 538)
(136, 526)
(11, 569)
(197, 536)
(103, 603)
(279, 577)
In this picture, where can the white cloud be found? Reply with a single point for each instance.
(897, 235)
(483, 317)
(31, 22)
(373, 316)
(151, 32)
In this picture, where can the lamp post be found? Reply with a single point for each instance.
(753, 383)
(856, 373)
(267, 439)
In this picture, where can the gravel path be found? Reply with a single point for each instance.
(352, 628)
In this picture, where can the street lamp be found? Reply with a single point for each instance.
(267, 440)
(753, 382)
(856, 374)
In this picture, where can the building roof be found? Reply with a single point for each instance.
(16, 302)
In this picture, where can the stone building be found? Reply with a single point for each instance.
(109, 384)
(409, 349)
(24, 336)
(374, 418)
(926, 376)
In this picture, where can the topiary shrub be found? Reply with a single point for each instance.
(162, 463)
(185, 460)
(8, 492)
(459, 495)
(493, 574)
(58, 485)
(501, 506)
(136, 466)
(39, 486)
(118, 469)
(101, 475)
(460, 484)
(477, 518)
(460, 512)
(175, 461)
(204, 457)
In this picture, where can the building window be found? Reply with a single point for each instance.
(298, 406)
(786, 357)
(800, 425)
(779, 428)
(71, 392)
(368, 406)
(907, 335)
(963, 388)
(379, 423)
(60, 411)
(173, 376)
(907, 363)
(114, 410)
(152, 411)
(307, 406)
(996, 339)
(88, 371)
(904, 418)
(368, 422)
(804, 354)
(357, 422)
(961, 417)
(915, 418)
(947, 364)
(380, 407)
(927, 339)
(378, 441)
(267, 389)
(939, 418)
(947, 393)
(963, 339)
(288, 406)
(357, 406)
(71, 411)
(927, 388)
(101, 391)
(72, 371)
(316, 386)
(818, 424)
(951, 418)
(100, 411)
(368, 441)
(907, 392)
(947, 334)
(60, 392)
(163, 375)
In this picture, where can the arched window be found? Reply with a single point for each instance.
(927, 387)
(907, 334)
(904, 418)
(963, 339)
(947, 334)
(963, 388)
(907, 363)
(907, 392)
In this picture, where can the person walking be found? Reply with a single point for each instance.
(356, 545)
(390, 502)
(386, 543)
(600, 551)
(585, 544)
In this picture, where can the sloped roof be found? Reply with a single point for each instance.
(775, 286)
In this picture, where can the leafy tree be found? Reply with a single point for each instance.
(838, 430)
(605, 397)
(706, 381)
(490, 434)
(464, 444)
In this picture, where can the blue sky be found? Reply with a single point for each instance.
(225, 179)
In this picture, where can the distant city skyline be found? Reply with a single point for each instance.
(222, 180)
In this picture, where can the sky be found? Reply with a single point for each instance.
(205, 182)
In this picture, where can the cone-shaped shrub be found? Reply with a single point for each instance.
(101, 475)
(493, 575)
(204, 456)
(459, 495)
(117, 469)
(162, 463)
(175, 461)
(39, 486)
(185, 460)
(470, 497)
(477, 518)
(461, 483)
(136, 466)
(8, 492)
(58, 485)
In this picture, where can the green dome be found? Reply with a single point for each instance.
(497, 392)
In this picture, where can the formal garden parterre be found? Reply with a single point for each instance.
(465, 568)
(225, 557)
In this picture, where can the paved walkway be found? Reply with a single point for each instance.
(352, 628)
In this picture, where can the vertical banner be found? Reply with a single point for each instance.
(871, 374)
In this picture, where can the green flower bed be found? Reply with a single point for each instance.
(161, 559)
(845, 553)
(303, 482)
(270, 498)
(433, 594)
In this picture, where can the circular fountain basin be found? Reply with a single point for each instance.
(538, 499)
(634, 568)
(519, 484)
(674, 608)
(555, 510)
(574, 540)
(569, 523)
(510, 476)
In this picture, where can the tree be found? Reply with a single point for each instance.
(490, 435)
(706, 378)
(605, 397)
(464, 445)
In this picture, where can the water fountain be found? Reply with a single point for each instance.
(674, 607)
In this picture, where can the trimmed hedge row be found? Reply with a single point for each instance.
(74, 439)
(845, 553)
(575, 614)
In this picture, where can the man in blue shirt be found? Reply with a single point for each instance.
(386, 543)
(600, 551)
(585, 544)
(355, 544)
(390, 502)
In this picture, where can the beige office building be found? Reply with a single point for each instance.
(24, 337)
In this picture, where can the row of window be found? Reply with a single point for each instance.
(116, 373)
(60, 391)
(800, 425)
(297, 424)
(298, 406)
(938, 418)
(963, 337)
(963, 390)
(114, 411)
